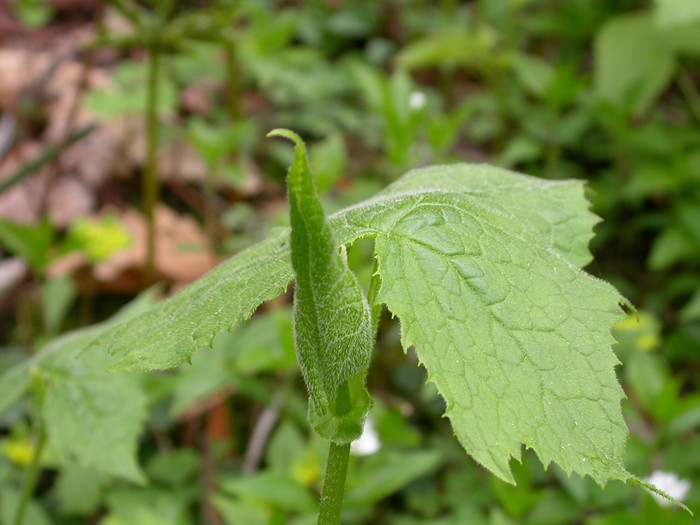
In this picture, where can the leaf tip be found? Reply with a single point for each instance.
(628, 307)
(287, 134)
(651, 488)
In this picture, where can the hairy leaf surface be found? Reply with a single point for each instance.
(169, 334)
(482, 267)
(332, 319)
(516, 338)
(554, 213)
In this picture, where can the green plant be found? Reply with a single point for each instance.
(163, 30)
(481, 265)
(661, 36)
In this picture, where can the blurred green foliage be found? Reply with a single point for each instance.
(590, 89)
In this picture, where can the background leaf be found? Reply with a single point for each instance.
(633, 64)
(86, 409)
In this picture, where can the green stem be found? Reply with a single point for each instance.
(150, 179)
(210, 215)
(552, 152)
(33, 468)
(233, 80)
(128, 10)
(47, 155)
(30, 479)
(334, 484)
(690, 94)
(336, 468)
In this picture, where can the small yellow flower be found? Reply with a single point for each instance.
(20, 452)
(639, 332)
(306, 471)
(99, 240)
(648, 342)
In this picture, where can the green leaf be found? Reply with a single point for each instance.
(175, 468)
(385, 473)
(169, 334)
(329, 159)
(482, 267)
(453, 48)
(146, 506)
(536, 74)
(57, 296)
(515, 337)
(9, 501)
(286, 449)
(556, 213)
(79, 491)
(272, 489)
(127, 95)
(634, 64)
(673, 13)
(13, 385)
(332, 320)
(238, 513)
(29, 242)
(265, 344)
(684, 39)
(34, 14)
(86, 410)
(691, 310)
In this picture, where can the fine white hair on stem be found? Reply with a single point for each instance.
(671, 484)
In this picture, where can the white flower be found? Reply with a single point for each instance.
(669, 483)
(368, 443)
(417, 100)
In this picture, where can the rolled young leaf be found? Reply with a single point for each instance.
(332, 319)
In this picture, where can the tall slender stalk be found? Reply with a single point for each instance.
(32, 473)
(150, 183)
(334, 484)
(233, 80)
(690, 94)
(30, 478)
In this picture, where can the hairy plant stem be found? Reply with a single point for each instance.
(336, 469)
(338, 455)
(334, 484)
(150, 185)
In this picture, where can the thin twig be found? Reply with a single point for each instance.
(46, 156)
(150, 177)
(690, 93)
(8, 129)
(261, 433)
